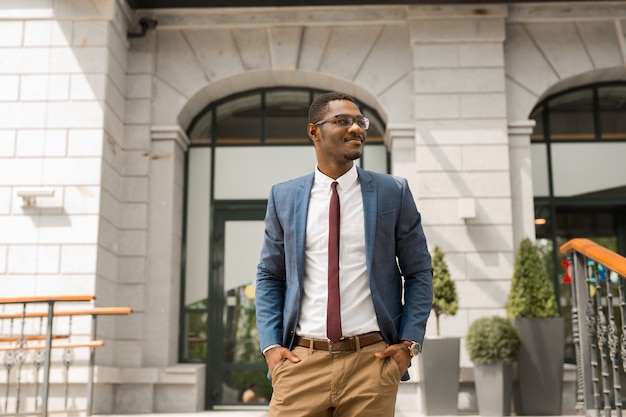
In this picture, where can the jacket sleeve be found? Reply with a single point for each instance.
(415, 265)
(270, 279)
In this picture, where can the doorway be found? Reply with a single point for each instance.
(239, 147)
(233, 337)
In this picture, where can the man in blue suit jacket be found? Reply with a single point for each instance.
(385, 278)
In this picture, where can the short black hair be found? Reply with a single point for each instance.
(319, 107)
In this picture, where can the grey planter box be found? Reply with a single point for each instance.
(439, 374)
(494, 387)
(540, 366)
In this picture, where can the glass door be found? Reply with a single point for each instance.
(237, 373)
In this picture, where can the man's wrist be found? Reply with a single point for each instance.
(275, 345)
(414, 347)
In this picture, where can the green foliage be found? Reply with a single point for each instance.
(445, 299)
(493, 339)
(197, 329)
(532, 293)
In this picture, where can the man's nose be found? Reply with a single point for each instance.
(356, 126)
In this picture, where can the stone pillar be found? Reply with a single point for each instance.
(165, 215)
(521, 180)
(400, 141)
(461, 152)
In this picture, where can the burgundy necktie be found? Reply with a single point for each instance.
(333, 308)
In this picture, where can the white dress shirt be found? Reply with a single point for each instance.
(357, 309)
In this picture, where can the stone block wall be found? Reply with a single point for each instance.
(100, 120)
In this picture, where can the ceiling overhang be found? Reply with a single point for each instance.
(160, 4)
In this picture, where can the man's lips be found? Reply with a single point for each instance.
(359, 139)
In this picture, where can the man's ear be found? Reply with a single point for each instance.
(312, 131)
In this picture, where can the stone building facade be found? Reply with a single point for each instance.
(103, 119)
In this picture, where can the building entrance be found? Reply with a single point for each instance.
(236, 370)
(239, 147)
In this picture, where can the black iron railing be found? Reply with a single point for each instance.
(598, 299)
(29, 334)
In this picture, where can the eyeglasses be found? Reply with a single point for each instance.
(346, 120)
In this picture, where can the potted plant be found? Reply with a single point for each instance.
(493, 345)
(439, 362)
(532, 306)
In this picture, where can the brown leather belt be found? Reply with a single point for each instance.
(346, 344)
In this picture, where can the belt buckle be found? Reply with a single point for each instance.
(330, 347)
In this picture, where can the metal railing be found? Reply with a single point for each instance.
(598, 314)
(22, 331)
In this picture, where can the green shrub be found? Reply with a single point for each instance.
(493, 339)
(445, 299)
(532, 293)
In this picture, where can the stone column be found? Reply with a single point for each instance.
(521, 180)
(165, 215)
(462, 151)
(400, 141)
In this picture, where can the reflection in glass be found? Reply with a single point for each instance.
(612, 103)
(240, 333)
(239, 120)
(244, 364)
(375, 133)
(571, 116)
(195, 344)
(286, 116)
(248, 387)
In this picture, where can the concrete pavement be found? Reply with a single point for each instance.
(215, 413)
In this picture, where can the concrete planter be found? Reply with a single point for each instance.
(494, 387)
(439, 372)
(540, 366)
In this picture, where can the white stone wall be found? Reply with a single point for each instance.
(100, 120)
(63, 78)
(68, 124)
(461, 153)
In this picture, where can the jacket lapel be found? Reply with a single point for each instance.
(301, 208)
(369, 191)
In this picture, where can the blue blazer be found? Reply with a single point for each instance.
(393, 231)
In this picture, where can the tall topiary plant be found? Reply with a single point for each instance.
(440, 360)
(445, 299)
(532, 293)
(532, 305)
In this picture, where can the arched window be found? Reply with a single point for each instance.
(275, 116)
(578, 150)
(240, 146)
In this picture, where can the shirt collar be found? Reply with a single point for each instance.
(346, 181)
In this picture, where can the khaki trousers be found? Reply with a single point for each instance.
(344, 384)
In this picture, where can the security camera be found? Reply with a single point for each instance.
(147, 23)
